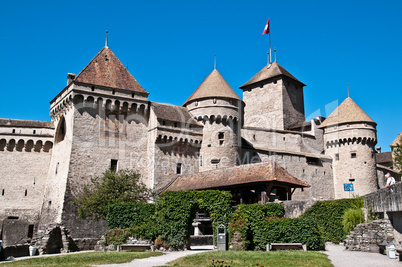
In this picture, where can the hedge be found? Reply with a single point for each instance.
(246, 217)
(125, 215)
(175, 212)
(288, 230)
(262, 224)
(328, 215)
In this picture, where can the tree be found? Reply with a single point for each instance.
(111, 188)
(397, 156)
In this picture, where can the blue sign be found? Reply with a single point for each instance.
(348, 187)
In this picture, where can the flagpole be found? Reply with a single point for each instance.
(270, 54)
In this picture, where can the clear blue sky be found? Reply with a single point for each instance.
(170, 47)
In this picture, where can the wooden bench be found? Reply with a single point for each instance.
(134, 247)
(286, 246)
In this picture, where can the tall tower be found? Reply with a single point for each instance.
(101, 122)
(273, 99)
(218, 107)
(350, 137)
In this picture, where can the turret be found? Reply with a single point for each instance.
(350, 137)
(218, 107)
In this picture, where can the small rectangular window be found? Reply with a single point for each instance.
(34, 131)
(336, 156)
(30, 230)
(13, 130)
(353, 155)
(178, 168)
(201, 161)
(221, 135)
(113, 164)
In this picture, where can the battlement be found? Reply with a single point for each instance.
(89, 96)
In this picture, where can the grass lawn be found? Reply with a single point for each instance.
(254, 258)
(84, 259)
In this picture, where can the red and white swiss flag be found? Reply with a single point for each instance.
(266, 29)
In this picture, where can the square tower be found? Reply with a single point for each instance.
(273, 98)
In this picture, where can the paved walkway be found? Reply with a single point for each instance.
(159, 260)
(343, 258)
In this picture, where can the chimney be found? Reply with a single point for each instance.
(70, 78)
(378, 149)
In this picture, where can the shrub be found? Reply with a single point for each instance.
(247, 217)
(175, 212)
(351, 218)
(328, 215)
(116, 236)
(124, 215)
(288, 230)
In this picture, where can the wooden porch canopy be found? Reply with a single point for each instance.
(261, 175)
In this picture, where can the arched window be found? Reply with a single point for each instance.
(61, 130)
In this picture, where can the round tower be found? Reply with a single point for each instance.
(218, 107)
(350, 137)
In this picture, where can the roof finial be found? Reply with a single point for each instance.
(106, 39)
(348, 90)
(275, 53)
(215, 63)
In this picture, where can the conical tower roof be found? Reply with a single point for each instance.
(213, 86)
(347, 112)
(105, 69)
(270, 72)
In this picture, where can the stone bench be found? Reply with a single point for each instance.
(286, 246)
(135, 247)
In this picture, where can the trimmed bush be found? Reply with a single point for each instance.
(329, 216)
(247, 217)
(175, 212)
(351, 218)
(288, 230)
(125, 215)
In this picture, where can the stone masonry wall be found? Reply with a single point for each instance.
(23, 172)
(366, 236)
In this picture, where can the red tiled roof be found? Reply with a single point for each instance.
(269, 72)
(105, 69)
(244, 174)
(213, 86)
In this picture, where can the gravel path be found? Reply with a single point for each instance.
(157, 261)
(343, 258)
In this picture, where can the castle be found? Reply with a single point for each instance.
(259, 147)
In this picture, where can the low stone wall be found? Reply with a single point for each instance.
(367, 236)
(55, 238)
(388, 199)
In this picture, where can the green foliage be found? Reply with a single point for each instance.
(351, 218)
(111, 187)
(124, 215)
(288, 230)
(247, 217)
(328, 215)
(175, 212)
(261, 224)
(397, 156)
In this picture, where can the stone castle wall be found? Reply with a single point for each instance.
(276, 104)
(25, 154)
